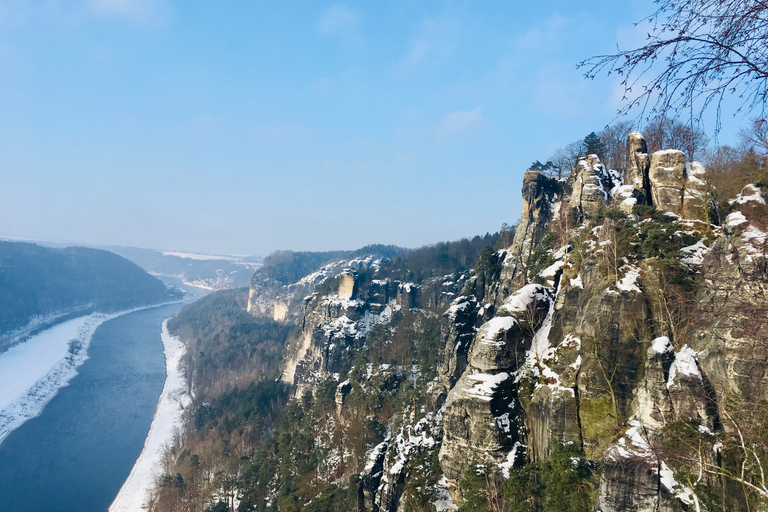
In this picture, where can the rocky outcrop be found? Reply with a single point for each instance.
(591, 185)
(604, 348)
(482, 415)
(541, 195)
(696, 197)
(552, 411)
(667, 176)
(347, 285)
(638, 166)
(457, 332)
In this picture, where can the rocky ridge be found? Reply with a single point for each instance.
(620, 321)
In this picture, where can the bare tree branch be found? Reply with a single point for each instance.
(698, 52)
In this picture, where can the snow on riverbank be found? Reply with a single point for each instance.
(32, 372)
(166, 423)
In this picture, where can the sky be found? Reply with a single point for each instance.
(248, 126)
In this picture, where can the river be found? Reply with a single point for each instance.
(76, 454)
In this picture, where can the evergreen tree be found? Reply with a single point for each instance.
(473, 490)
(592, 145)
(523, 489)
(567, 480)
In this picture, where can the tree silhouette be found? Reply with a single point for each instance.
(697, 52)
(592, 145)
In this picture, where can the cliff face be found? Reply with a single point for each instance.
(626, 343)
(620, 335)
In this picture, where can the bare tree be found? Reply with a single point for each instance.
(664, 133)
(614, 138)
(565, 158)
(697, 52)
(756, 136)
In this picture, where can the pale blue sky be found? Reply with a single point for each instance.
(249, 126)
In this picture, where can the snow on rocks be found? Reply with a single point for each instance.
(625, 196)
(459, 304)
(576, 282)
(343, 326)
(685, 364)
(443, 501)
(412, 438)
(667, 477)
(483, 385)
(519, 301)
(694, 254)
(662, 345)
(748, 194)
(509, 463)
(695, 172)
(628, 283)
(735, 219)
(492, 332)
(633, 445)
(551, 271)
(375, 456)
(754, 243)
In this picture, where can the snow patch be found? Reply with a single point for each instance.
(493, 328)
(522, 298)
(628, 283)
(684, 364)
(412, 438)
(443, 501)
(694, 253)
(662, 345)
(734, 219)
(748, 194)
(483, 385)
(667, 478)
(551, 270)
(508, 464)
(632, 445)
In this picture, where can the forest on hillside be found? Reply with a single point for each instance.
(39, 282)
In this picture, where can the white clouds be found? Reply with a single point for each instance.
(336, 19)
(461, 120)
(437, 39)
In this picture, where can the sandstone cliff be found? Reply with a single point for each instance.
(614, 349)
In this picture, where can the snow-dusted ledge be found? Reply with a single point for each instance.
(32, 372)
(165, 425)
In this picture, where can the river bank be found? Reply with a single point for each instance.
(165, 425)
(31, 373)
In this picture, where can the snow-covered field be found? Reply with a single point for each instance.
(32, 372)
(166, 423)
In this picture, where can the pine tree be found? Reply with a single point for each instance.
(567, 480)
(592, 145)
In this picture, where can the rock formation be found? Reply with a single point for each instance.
(585, 331)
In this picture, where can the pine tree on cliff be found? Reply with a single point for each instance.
(592, 145)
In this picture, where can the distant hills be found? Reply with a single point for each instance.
(214, 272)
(40, 285)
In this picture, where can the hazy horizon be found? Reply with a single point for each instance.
(242, 130)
